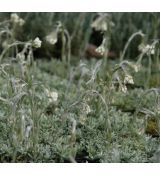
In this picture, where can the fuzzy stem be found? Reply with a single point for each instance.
(128, 42)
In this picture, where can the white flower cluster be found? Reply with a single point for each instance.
(52, 38)
(148, 49)
(84, 112)
(53, 96)
(86, 109)
(101, 22)
(37, 43)
(123, 88)
(17, 20)
(136, 67)
(128, 79)
(100, 50)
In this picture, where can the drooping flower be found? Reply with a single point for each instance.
(52, 38)
(37, 42)
(148, 49)
(53, 96)
(101, 48)
(86, 108)
(128, 79)
(15, 19)
(123, 88)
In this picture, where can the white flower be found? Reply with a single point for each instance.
(86, 108)
(152, 49)
(52, 38)
(28, 129)
(82, 119)
(100, 50)
(37, 43)
(21, 22)
(16, 19)
(123, 88)
(136, 67)
(53, 96)
(100, 24)
(149, 49)
(128, 79)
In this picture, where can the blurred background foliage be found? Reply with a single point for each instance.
(78, 24)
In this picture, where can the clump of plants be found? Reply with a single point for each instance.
(76, 111)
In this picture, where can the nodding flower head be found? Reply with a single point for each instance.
(123, 88)
(37, 43)
(148, 49)
(53, 96)
(128, 79)
(21, 22)
(15, 19)
(86, 108)
(101, 22)
(58, 24)
(101, 48)
(52, 38)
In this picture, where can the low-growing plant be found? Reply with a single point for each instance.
(80, 110)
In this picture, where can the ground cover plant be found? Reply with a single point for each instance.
(74, 109)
